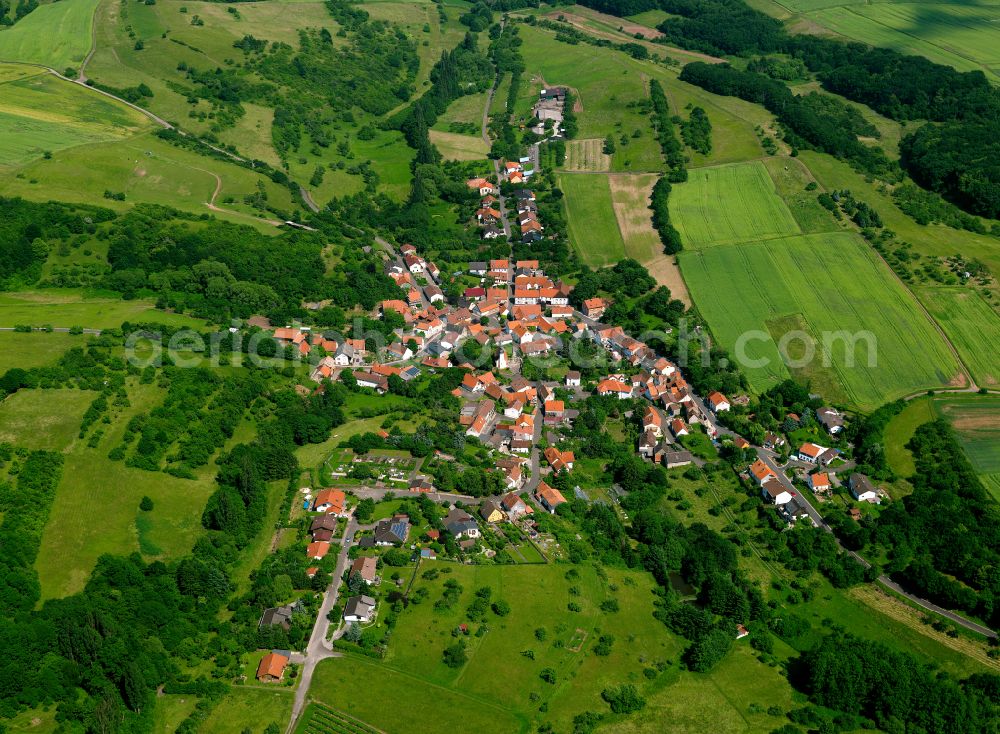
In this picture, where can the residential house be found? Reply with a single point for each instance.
(615, 387)
(490, 512)
(761, 472)
(392, 531)
(718, 402)
(652, 421)
(810, 452)
(594, 308)
(819, 482)
(461, 524)
(272, 667)
(832, 421)
(479, 268)
(318, 549)
(793, 510)
(332, 502)
(863, 490)
(514, 506)
(359, 609)
(774, 491)
(559, 460)
(280, 616)
(373, 381)
(483, 186)
(678, 428)
(323, 522)
(572, 378)
(549, 497)
(366, 567)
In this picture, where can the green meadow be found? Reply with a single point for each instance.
(65, 307)
(57, 35)
(44, 113)
(540, 632)
(729, 204)
(593, 228)
(756, 294)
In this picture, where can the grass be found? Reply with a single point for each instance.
(35, 349)
(972, 326)
(44, 113)
(899, 432)
(44, 419)
(821, 284)
(422, 687)
(593, 228)
(467, 110)
(95, 510)
(951, 34)
(729, 204)
(651, 18)
(587, 155)
(458, 147)
(56, 35)
(250, 708)
(790, 178)
(65, 307)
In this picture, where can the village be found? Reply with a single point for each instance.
(510, 316)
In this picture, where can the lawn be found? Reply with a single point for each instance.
(467, 110)
(972, 326)
(756, 294)
(955, 34)
(729, 204)
(56, 35)
(65, 307)
(593, 227)
(44, 113)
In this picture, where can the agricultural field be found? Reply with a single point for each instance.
(57, 35)
(587, 155)
(319, 719)
(976, 419)
(33, 350)
(249, 708)
(727, 205)
(593, 227)
(44, 113)
(955, 34)
(753, 295)
(972, 326)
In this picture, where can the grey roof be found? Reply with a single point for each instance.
(359, 606)
(276, 615)
(392, 530)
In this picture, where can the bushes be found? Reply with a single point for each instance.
(623, 699)
(669, 235)
(664, 127)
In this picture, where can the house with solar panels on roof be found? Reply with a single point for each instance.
(392, 531)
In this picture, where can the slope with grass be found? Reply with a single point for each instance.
(65, 307)
(729, 204)
(45, 113)
(817, 290)
(57, 35)
(593, 228)
(587, 155)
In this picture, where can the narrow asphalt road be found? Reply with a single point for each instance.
(318, 648)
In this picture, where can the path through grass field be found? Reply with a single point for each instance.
(972, 326)
(57, 35)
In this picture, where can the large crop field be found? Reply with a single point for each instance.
(57, 35)
(44, 113)
(593, 228)
(957, 34)
(972, 326)
(821, 285)
(976, 419)
(729, 204)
